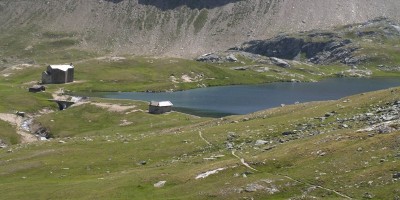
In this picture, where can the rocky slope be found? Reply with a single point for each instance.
(326, 47)
(180, 28)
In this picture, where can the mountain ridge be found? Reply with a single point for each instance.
(180, 28)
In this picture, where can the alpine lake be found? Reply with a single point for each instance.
(244, 99)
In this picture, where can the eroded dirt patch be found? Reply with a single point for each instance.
(114, 107)
(18, 121)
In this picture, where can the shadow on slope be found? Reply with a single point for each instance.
(193, 4)
(115, 1)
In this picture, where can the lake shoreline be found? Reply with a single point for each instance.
(244, 99)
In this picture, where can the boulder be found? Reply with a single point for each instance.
(231, 58)
(244, 68)
(288, 133)
(143, 162)
(280, 62)
(261, 142)
(209, 57)
(160, 184)
(229, 146)
(2, 145)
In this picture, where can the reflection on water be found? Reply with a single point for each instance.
(228, 100)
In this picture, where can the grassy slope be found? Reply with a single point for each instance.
(100, 158)
(8, 134)
(105, 163)
(142, 73)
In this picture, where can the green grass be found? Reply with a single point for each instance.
(8, 134)
(19, 99)
(143, 73)
(101, 161)
(200, 20)
(78, 121)
(33, 46)
(93, 155)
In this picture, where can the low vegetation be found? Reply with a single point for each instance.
(115, 149)
(8, 134)
(98, 153)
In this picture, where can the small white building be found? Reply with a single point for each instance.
(156, 107)
(58, 74)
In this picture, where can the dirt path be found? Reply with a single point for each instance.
(243, 162)
(17, 122)
(318, 186)
(201, 136)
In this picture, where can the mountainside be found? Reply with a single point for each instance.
(179, 28)
(103, 148)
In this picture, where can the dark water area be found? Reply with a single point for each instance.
(244, 99)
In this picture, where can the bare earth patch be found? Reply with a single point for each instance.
(111, 58)
(186, 78)
(17, 121)
(113, 107)
(125, 123)
(21, 66)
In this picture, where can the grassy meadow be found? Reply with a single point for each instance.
(99, 153)
(95, 156)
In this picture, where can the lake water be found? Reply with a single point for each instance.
(244, 99)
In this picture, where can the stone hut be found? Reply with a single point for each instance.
(37, 88)
(58, 74)
(156, 107)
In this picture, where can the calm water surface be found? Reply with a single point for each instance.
(244, 99)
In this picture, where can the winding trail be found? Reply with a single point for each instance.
(243, 162)
(318, 186)
(233, 153)
(201, 136)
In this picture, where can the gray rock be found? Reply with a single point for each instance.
(280, 62)
(327, 49)
(384, 129)
(368, 195)
(2, 145)
(288, 133)
(209, 57)
(143, 162)
(261, 142)
(229, 145)
(253, 187)
(160, 184)
(231, 58)
(329, 114)
(231, 136)
(389, 117)
(240, 68)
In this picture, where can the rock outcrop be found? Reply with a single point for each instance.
(324, 47)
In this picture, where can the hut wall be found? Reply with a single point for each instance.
(46, 77)
(70, 75)
(159, 110)
(58, 76)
